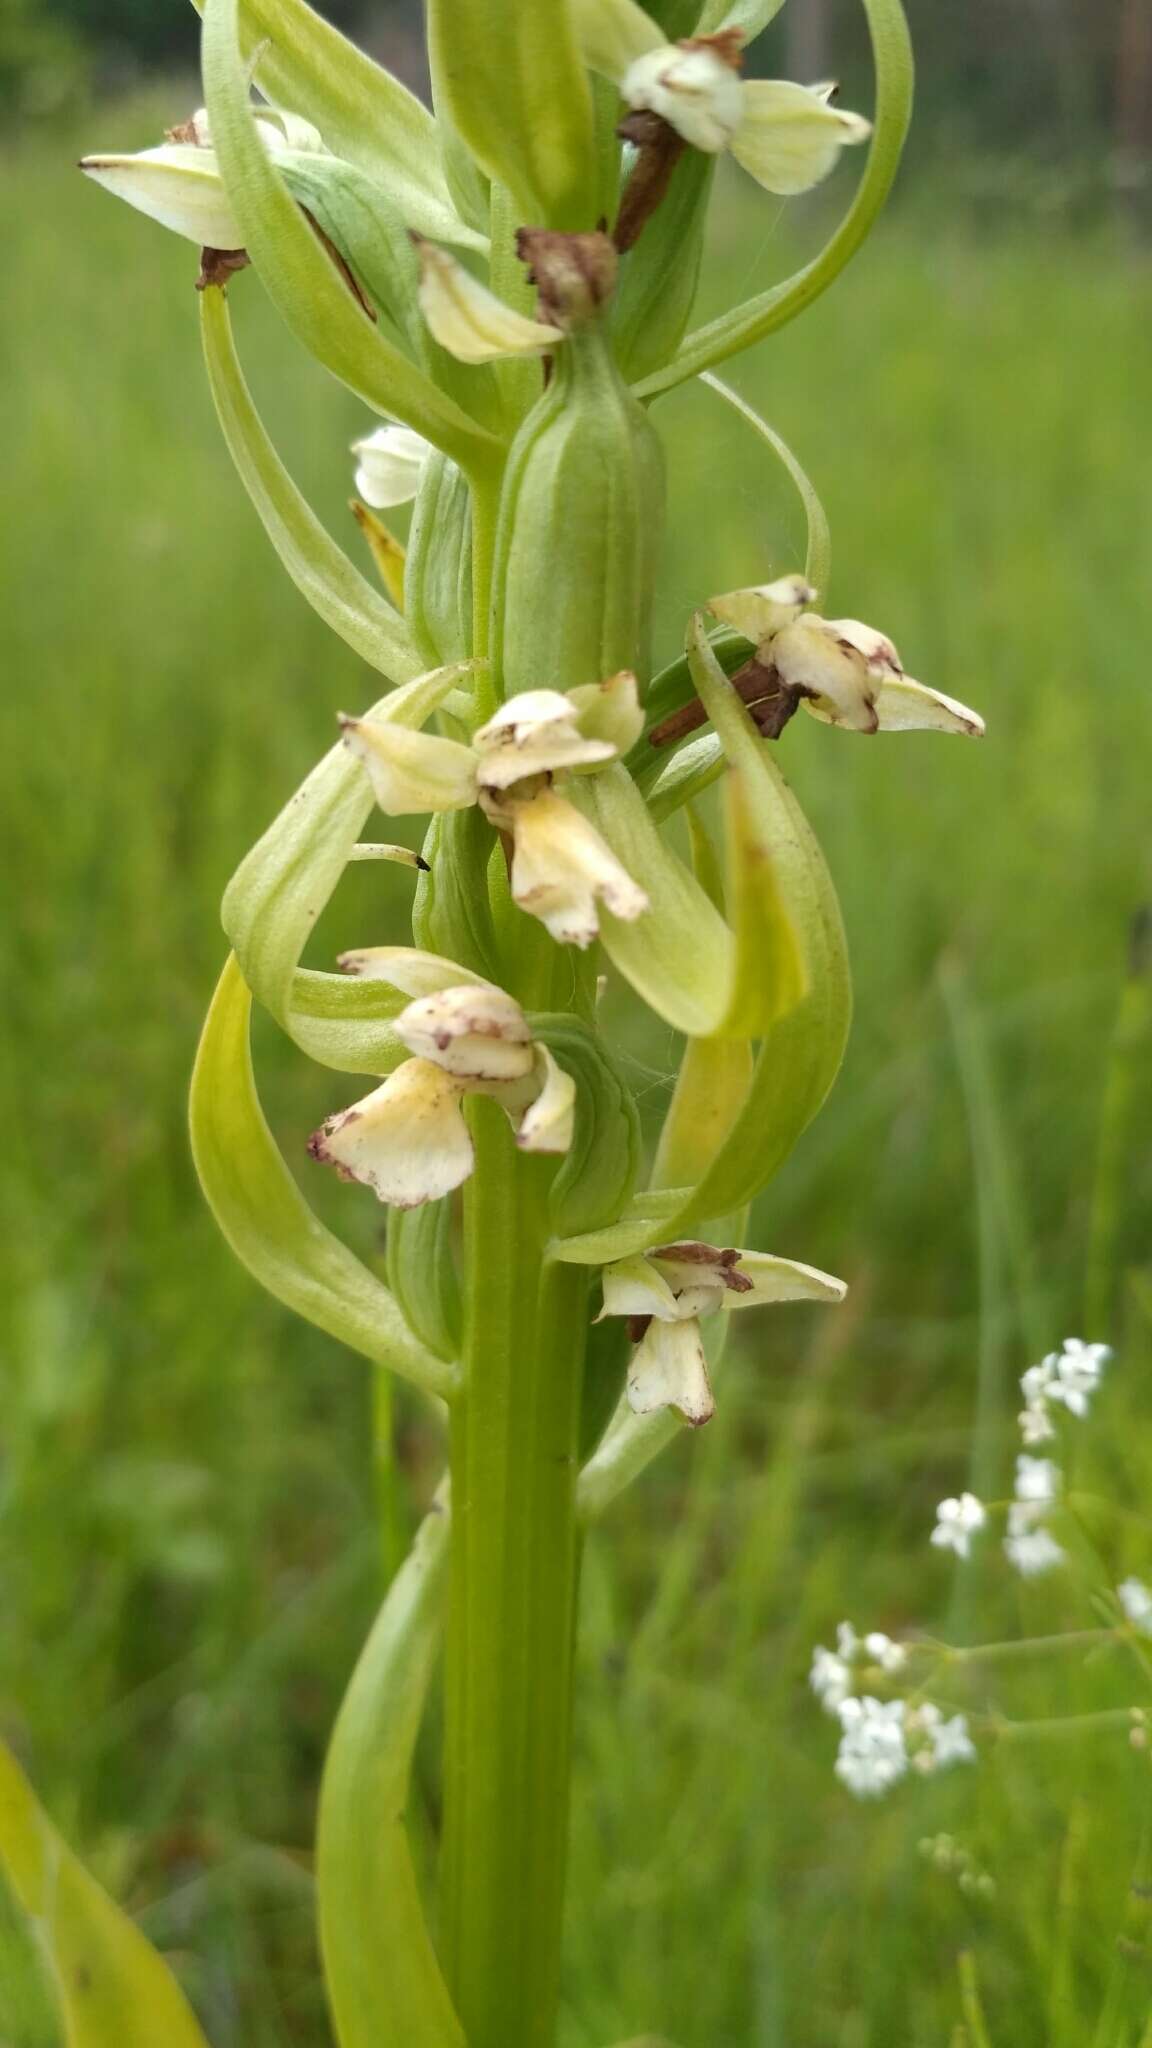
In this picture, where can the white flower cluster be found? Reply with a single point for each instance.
(880, 1740)
(1068, 1378)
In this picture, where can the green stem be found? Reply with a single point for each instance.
(512, 1599)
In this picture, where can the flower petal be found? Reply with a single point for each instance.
(407, 1141)
(811, 658)
(547, 1126)
(561, 868)
(413, 972)
(763, 611)
(390, 465)
(669, 1370)
(412, 771)
(610, 711)
(906, 706)
(776, 1279)
(534, 733)
(469, 320)
(789, 137)
(176, 184)
(634, 1287)
(477, 1034)
(693, 88)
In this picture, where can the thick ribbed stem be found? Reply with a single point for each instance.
(508, 1699)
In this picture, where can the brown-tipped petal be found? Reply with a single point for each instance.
(407, 1141)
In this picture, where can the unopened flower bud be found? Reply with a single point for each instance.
(469, 320)
(390, 462)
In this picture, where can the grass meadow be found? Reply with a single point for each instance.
(188, 1498)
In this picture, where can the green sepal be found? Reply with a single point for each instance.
(285, 881)
(298, 272)
(510, 76)
(345, 1021)
(659, 277)
(306, 66)
(321, 571)
(438, 567)
(112, 1988)
(265, 1218)
(605, 1369)
(422, 1274)
(384, 1982)
(596, 1176)
(359, 217)
(679, 955)
(450, 912)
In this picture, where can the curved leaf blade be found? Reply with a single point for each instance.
(114, 1990)
(384, 1982)
(265, 1218)
(321, 571)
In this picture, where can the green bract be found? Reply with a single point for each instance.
(508, 285)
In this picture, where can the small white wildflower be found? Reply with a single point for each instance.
(1029, 1548)
(847, 1641)
(1037, 1480)
(1036, 1425)
(1076, 1373)
(829, 1678)
(1136, 1600)
(951, 1743)
(956, 1522)
(873, 1755)
(1036, 1383)
(883, 1651)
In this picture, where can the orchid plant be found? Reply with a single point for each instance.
(508, 285)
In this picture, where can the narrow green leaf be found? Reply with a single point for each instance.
(745, 325)
(321, 571)
(680, 776)
(384, 1983)
(112, 1988)
(306, 66)
(679, 955)
(265, 1218)
(284, 882)
(510, 75)
(659, 277)
(299, 274)
(751, 15)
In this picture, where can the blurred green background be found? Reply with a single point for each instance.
(188, 1556)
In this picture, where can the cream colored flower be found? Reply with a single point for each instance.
(786, 136)
(409, 1140)
(665, 1292)
(842, 671)
(389, 465)
(561, 866)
